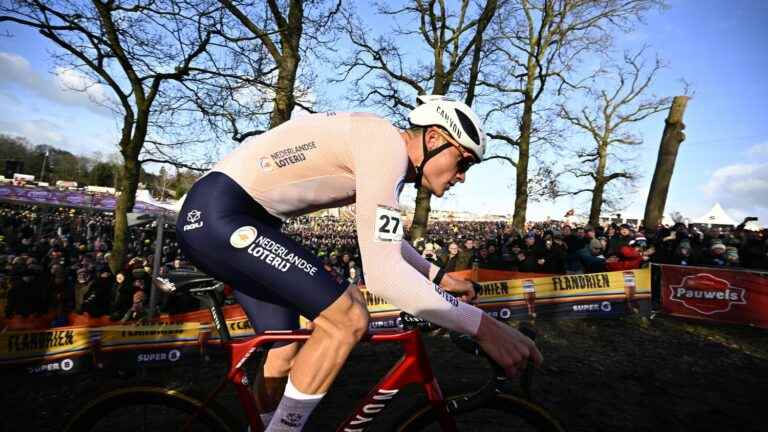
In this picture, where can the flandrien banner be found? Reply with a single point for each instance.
(553, 297)
(728, 296)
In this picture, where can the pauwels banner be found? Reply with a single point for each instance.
(729, 296)
(560, 297)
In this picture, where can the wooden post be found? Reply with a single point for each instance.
(665, 164)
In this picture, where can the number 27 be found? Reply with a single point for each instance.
(387, 220)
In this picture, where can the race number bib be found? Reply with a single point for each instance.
(389, 224)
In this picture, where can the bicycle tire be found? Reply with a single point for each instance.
(212, 418)
(507, 412)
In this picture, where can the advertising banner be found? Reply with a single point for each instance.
(100, 201)
(728, 296)
(184, 336)
(555, 297)
(148, 335)
(20, 346)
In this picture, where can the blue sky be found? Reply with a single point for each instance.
(716, 46)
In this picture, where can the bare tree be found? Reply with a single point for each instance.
(134, 51)
(606, 118)
(384, 77)
(261, 68)
(541, 42)
(671, 139)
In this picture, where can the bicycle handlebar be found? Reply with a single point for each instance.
(468, 344)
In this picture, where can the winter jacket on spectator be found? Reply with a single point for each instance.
(574, 245)
(684, 255)
(616, 242)
(716, 255)
(627, 258)
(590, 257)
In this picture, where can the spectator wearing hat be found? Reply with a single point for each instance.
(532, 257)
(684, 255)
(591, 257)
(732, 257)
(622, 238)
(716, 256)
(630, 256)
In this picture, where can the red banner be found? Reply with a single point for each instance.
(729, 296)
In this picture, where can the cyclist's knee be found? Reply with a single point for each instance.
(346, 319)
(358, 320)
(280, 360)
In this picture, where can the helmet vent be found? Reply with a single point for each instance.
(468, 126)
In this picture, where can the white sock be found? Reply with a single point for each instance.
(294, 409)
(266, 417)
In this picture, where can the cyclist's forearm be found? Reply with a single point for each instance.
(414, 258)
(393, 279)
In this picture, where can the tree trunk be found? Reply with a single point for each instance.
(597, 203)
(421, 214)
(597, 193)
(665, 164)
(284, 101)
(129, 178)
(521, 181)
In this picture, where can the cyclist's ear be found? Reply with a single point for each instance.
(432, 138)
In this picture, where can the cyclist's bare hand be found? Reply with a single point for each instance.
(507, 346)
(463, 289)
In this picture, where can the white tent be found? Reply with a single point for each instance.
(716, 216)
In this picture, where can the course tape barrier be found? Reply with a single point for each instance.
(713, 294)
(171, 339)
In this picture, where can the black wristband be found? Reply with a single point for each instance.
(439, 276)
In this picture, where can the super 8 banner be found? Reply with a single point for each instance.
(729, 296)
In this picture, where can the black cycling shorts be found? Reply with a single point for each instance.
(231, 237)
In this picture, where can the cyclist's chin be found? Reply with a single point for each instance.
(438, 192)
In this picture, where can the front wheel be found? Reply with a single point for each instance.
(502, 412)
(149, 409)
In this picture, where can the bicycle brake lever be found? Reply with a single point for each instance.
(409, 322)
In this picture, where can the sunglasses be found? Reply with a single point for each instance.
(466, 161)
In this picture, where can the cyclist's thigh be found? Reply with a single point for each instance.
(240, 243)
(267, 316)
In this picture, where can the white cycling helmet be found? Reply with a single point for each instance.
(455, 117)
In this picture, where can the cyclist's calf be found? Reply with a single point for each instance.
(336, 331)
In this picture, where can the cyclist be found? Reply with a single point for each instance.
(230, 228)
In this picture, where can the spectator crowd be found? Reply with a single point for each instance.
(55, 260)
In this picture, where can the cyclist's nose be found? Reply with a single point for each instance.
(461, 176)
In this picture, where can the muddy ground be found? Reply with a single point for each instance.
(631, 374)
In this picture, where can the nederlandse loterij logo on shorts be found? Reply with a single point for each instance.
(243, 236)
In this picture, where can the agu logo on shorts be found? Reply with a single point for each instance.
(243, 236)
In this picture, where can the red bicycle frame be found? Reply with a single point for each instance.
(412, 368)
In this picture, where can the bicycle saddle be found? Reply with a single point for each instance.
(186, 282)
